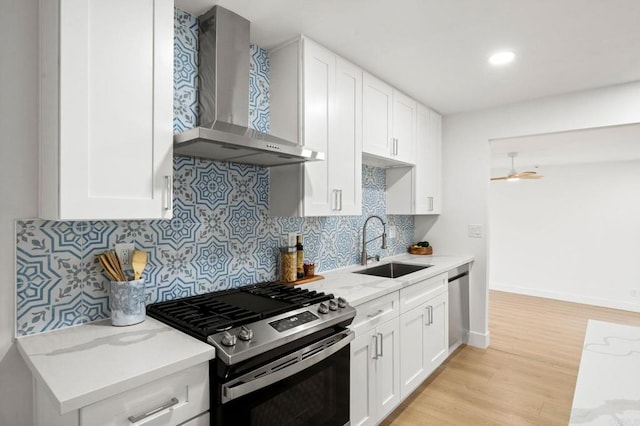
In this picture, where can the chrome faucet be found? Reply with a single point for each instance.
(365, 257)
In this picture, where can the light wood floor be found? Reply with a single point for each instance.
(526, 377)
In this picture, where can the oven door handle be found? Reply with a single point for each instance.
(285, 367)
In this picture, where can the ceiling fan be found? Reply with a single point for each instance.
(515, 176)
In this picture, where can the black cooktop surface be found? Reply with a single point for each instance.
(206, 314)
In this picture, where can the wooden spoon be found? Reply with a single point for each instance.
(138, 263)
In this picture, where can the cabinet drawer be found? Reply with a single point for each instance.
(375, 312)
(184, 394)
(412, 296)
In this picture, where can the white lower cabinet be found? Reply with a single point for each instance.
(179, 399)
(375, 373)
(401, 338)
(375, 360)
(423, 342)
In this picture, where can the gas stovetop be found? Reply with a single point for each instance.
(251, 320)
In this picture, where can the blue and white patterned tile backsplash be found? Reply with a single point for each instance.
(221, 234)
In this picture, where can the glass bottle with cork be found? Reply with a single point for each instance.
(299, 257)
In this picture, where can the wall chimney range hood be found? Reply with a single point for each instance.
(223, 71)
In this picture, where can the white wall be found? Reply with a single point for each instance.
(466, 170)
(574, 235)
(18, 186)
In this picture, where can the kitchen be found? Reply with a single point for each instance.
(465, 174)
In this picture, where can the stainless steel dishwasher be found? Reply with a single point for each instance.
(458, 306)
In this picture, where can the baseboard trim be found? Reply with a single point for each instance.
(479, 340)
(567, 297)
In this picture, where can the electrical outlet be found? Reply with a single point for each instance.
(392, 231)
(124, 252)
(475, 231)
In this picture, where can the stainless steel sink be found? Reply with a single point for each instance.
(392, 270)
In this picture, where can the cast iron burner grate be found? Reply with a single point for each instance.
(206, 314)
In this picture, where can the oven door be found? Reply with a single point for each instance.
(307, 387)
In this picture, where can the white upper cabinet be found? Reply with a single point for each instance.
(377, 116)
(389, 124)
(346, 140)
(404, 128)
(106, 109)
(328, 118)
(417, 190)
(429, 157)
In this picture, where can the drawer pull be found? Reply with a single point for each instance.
(377, 314)
(166, 405)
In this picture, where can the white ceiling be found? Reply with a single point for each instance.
(616, 143)
(436, 50)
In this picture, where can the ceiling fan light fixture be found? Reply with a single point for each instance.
(515, 176)
(502, 58)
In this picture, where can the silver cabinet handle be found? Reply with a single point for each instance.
(334, 207)
(377, 314)
(375, 345)
(168, 201)
(165, 406)
(429, 315)
(396, 152)
(430, 204)
(381, 344)
(340, 190)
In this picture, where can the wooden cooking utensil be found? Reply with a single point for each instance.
(115, 265)
(138, 263)
(107, 267)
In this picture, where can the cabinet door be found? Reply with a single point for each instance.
(413, 344)
(106, 146)
(404, 128)
(437, 334)
(388, 367)
(421, 173)
(363, 375)
(433, 163)
(345, 152)
(319, 71)
(376, 116)
(417, 190)
(427, 174)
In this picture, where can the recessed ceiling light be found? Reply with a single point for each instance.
(502, 58)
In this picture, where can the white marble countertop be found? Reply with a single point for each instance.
(359, 288)
(85, 364)
(608, 386)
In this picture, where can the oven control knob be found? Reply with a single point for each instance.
(245, 334)
(323, 308)
(228, 339)
(342, 302)
(333, 305)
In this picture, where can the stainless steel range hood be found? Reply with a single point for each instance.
(223, 71)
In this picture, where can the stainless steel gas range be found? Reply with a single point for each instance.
(282, 353)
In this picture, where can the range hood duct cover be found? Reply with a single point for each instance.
(223, 71)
